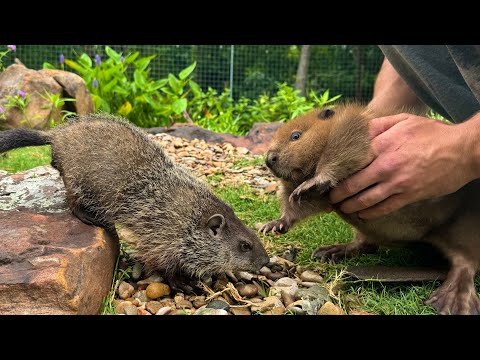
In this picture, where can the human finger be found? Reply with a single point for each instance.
(393, 203)
(366, 199)
(379, 125)
(356, 183)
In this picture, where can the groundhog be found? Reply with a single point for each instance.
(314, 152)
(116, 176)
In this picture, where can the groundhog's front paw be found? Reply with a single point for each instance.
(279, 226)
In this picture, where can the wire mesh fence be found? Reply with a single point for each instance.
(247, 70)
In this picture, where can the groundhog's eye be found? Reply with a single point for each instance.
(295, 135)
(245, 246)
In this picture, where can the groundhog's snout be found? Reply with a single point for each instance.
(264, 260)
(271, 159)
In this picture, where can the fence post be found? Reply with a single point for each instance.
(231, 71)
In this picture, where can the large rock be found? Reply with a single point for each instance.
(50, 262)
(36, 83)
(257, 140)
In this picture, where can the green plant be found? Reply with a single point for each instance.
(56, 102)
(20, 101)
(10, 48)
(119, 275)
(122, 86)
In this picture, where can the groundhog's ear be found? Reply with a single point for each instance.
(326, 114)
(215, 224)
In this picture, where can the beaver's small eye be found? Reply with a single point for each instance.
(295, 135)
(245, 246)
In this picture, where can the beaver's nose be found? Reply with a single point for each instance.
(271, 159)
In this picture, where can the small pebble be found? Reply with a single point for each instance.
(120, 306)
(168, 302)
(296, 310)
(287, 298)
(184, 304)
(157, 290)
(164, 310)
(256, 300)
(141, 295)
(271, 305)
(330, 309)
(130, 309)
(210, 311)
(218, 304)
(265, 271)
(134, 301)
(198, 301)
(311, 276)
(125, 290)
(141, 311)
(241, 311)
(178, 297)
(245, 276)
(275, 276)
(308, 284)
(247, 290)
(153, 306)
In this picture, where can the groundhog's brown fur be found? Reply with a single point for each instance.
(334, 144)
(115, 175)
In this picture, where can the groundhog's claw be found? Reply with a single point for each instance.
(279, 226)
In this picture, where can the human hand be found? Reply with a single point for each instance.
(414, 158)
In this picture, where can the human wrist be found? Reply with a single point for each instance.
(470, 130)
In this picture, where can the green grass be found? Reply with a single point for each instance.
(25, 158)
(244, 162)
(325, 229)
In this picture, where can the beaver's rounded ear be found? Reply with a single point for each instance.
(326, 114)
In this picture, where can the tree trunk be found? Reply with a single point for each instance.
(302, 71)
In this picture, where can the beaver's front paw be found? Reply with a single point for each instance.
(279, 226)
(313, 184)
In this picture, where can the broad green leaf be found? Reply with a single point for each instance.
(85, 60)
(179, 105)
(131, 58)
(142, 63)
(120, 91)
(158, 84)
(167, 91)
(187, 71)
(154, 104)
(77, 67)
(139, 79)
(175, 84)
(106, 88)
(112, 53)
(197, 91)
(47, 65)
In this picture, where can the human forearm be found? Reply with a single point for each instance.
(470, 132)
(392, 92)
